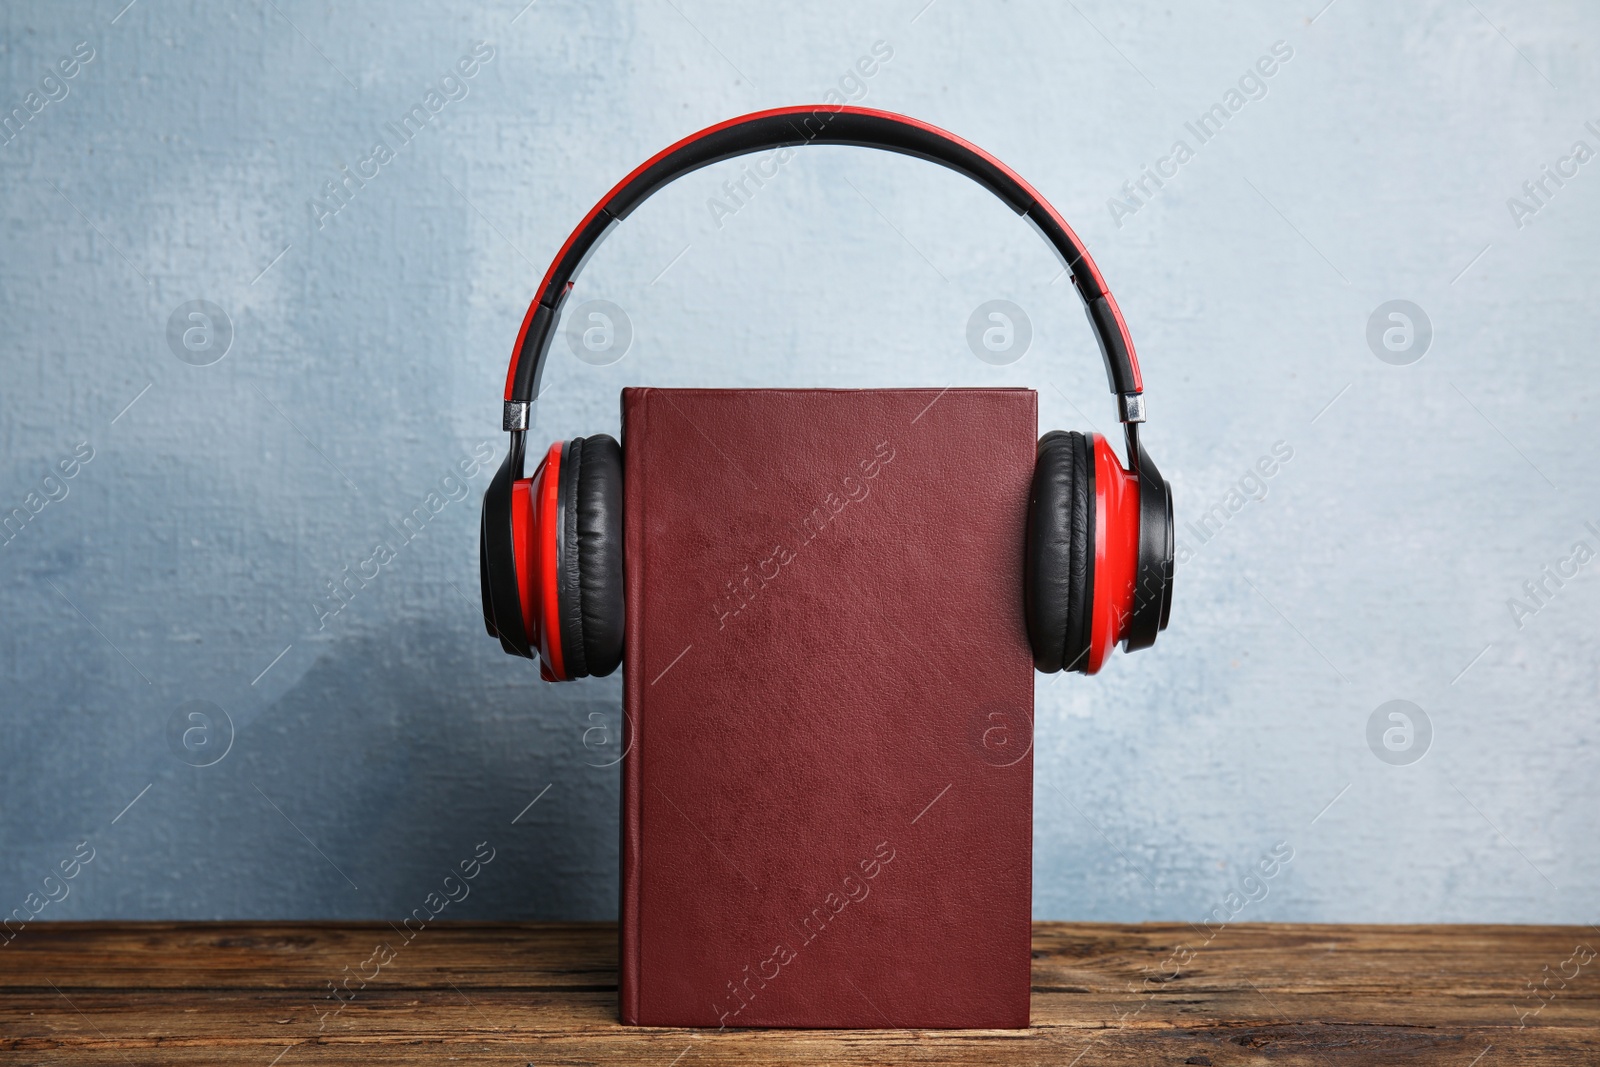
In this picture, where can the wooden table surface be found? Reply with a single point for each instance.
(533, 993)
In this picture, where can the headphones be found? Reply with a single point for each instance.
(1098, 558)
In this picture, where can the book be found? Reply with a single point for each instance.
(828, 697)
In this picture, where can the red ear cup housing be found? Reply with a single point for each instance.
(1116, 552)
(536, 526)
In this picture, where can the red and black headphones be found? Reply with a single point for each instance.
(1099, 551)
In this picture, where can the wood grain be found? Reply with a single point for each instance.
(531, 993)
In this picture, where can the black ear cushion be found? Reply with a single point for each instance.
(569, 597)
(596, 544)
(1058, 565)
(1081, 608)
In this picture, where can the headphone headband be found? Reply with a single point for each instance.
(835, 125)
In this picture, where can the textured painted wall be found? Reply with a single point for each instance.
(1257, 180)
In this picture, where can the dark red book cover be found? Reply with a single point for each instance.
(828, 788)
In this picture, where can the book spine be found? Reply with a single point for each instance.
(633, 435)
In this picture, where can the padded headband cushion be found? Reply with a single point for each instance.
(594, 556)
(1058, 564)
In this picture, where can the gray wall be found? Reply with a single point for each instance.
(372, 749)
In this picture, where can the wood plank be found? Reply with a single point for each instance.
(220, 955)
(242, 993)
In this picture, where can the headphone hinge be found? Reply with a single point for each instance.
(1131, 406)
(515, 415)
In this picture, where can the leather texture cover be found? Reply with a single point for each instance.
(828, 688)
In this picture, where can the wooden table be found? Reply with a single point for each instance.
(517, 993)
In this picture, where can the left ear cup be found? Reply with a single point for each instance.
(590, 556)
(1058, 564)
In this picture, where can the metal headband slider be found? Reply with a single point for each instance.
(516, 415)
(1132, 407)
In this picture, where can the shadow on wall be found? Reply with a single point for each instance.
(399, 757)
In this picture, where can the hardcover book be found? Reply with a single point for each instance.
(828, 694)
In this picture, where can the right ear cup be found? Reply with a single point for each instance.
(589, 559)
(1058, 565)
